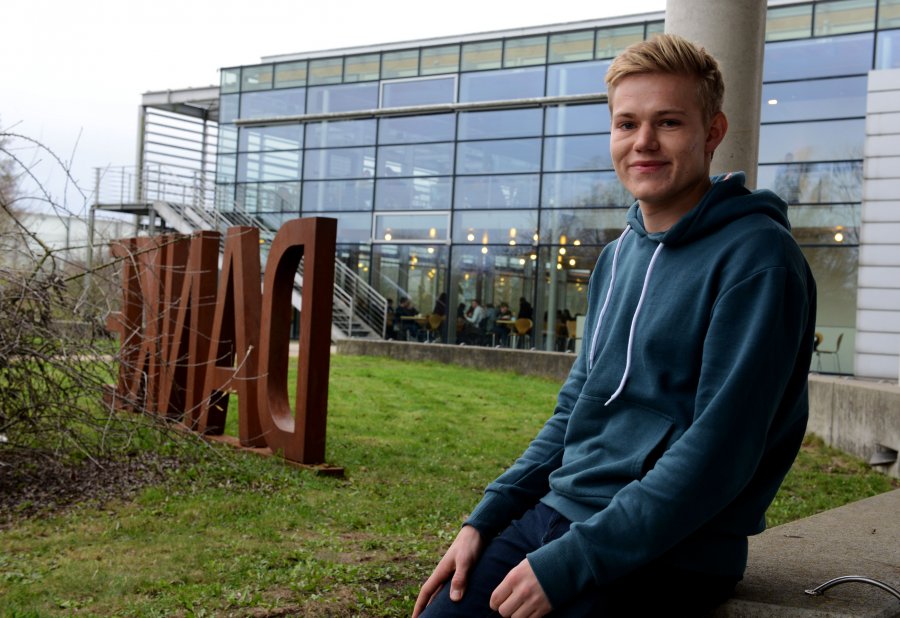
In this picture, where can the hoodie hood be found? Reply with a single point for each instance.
(725, 201)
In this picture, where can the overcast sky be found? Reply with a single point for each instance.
(72, 72)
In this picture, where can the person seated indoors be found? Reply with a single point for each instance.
(688, 400)
(474, 327)
(408, 329)
(502, 330)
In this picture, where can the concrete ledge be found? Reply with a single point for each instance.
(857, 416)
(552, 365)
(861, 538)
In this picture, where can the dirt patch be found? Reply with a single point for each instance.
(34, 484)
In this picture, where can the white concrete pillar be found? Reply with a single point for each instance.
(734, 32)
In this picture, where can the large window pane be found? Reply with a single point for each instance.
(224, 197)
(290, 74)
(563, 119)
(256, 77)
(580, 152)
(340, 133)
(502, 85)
(581, 189)
(424, 193)
(832, 224)
(230, 80)
(424, 227)
(481, 227)
(277, 137)
(361, 68)
(578, 78)
(337, 195)
(444, 59)
(482, 55)
(654, 28)
(269, 197)
(889, 14)
(228, 107)
(495, 274)
(339, 163)
(844, 16)
(513, 155)
(824, 57)
(276, 165)
(400, 64)
(579, 227)
(812, 141)
(270, 103)
(888, 50)
(352, 227)
(612, 41)
(789, 22)
(818, 183)
(406, 129)
(572, 46)
(506, 191)
(426, 91)
(497, 124)
(814, 183)
(228, 138)
(416, 272)
(226, 167)
(325, 71)
(525, 51)
(835, 270)
(806, 100)
(344, 98)
(415, 160)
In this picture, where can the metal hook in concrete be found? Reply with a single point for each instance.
(819, 590)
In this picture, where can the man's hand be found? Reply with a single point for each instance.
(459, 559)
(520, 595)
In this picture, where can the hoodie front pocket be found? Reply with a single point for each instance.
(608, 447)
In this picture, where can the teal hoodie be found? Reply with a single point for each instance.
(686, 406)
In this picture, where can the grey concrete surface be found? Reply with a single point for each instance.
(552, 365)
(857, 416)
(862, 538)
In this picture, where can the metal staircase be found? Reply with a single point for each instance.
(184, 205)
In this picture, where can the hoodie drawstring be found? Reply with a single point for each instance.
(612, 282)
(634, 318)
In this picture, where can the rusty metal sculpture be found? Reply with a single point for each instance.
(191, 336)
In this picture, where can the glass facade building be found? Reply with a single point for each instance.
(479, 166)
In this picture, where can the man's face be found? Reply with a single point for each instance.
(661, 147)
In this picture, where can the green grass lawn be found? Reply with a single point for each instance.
(241, 535)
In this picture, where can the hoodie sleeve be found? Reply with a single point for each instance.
(526, 481)
(744, 410)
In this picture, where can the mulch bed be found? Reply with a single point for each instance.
(34, 484)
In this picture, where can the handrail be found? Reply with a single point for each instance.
(188, 195)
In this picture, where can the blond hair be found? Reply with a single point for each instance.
(672, 54)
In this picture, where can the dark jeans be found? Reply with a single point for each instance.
(655, 590)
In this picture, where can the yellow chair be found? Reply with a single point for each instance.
(522, 328)
(433, 323)
(571, 327)
(837, 359)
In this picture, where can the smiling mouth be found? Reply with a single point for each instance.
(647, 166)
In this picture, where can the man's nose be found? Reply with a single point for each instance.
(646, 138)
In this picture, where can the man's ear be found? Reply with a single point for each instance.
(718, 127)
